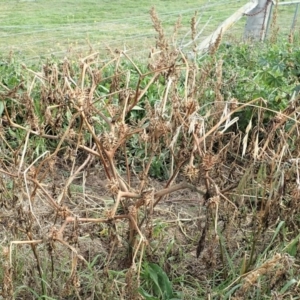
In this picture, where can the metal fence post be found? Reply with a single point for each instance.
(295, 16)
(257, 21)
(269, 20)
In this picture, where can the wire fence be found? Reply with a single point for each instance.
(284, 18)
(34, 39)
(22, 31)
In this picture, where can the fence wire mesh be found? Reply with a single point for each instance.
(41, 28)
(284, 18)
(33, 29)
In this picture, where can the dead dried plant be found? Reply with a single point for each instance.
(242, 179)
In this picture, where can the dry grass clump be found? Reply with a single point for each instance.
(85, 120)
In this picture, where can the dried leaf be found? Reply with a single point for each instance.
(245, 139)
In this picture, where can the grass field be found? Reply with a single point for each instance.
(35, 28)
(39, 28)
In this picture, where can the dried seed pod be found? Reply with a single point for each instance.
(48, 116)
(81, 101)
(191, 172)
(209, 161)
(122, 129)
(109, 141)
(113, 186)
(113, 109)
(233, 104)
(190, 106)
(279, 118)
(145, 136)
(148, 196)
(34, 122)
(132, 211)
(72, 133)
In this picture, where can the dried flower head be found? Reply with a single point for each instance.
(158, 127)
(233, 104)
(80, 100)
(209, 161)
(148, 196)
(72, 133)
(279, 117)
(132, 211)
(109, 141)
(48, 116)
(34, 122)
(148, 110)
(122, 129)
(190, 106)
(113, 109)
(76, 281)
(113, 186)
(145, 136)
(215, 46)
(191, 172)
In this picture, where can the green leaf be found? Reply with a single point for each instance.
(291, 248)
(281, 223)
(68, 115)
(288, 285)
(12, 133)
(232, 290)
(164, 283)
(146, 295)
(153, 275)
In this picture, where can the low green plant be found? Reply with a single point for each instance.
(155, 284)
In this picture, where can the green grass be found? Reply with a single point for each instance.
(39, 28)
(35, 28)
